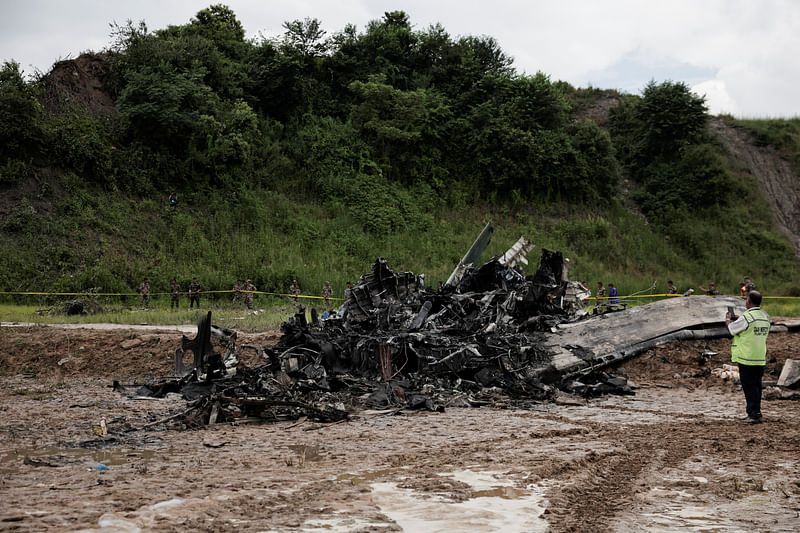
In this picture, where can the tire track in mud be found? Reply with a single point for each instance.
(598, 487)
(602, 485)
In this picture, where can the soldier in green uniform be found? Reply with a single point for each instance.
(749, 352)
(671, 288)
(327, 292)
(144, 294)
(711, 290)
(194, 293)
(600, 296)
(250, 294)
(175, 294)
(294, 290)
(237, 292)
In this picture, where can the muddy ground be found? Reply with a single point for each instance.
(671, 458)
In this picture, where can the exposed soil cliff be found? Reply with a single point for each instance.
(777, 177)
(82, 82)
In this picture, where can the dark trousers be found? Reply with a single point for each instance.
(750, 376)
(194, 299)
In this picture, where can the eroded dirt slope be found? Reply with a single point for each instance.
(777, 178)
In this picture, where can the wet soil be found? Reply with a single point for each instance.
(671, 458)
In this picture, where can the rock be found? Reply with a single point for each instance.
(771, 393)
(790, 375)
(75, 307)
(778, 393)
(130, 343)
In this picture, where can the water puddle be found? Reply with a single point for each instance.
(495, 504)
(341, 523)
(678, 510)
(690, 518)
(366, 477)
(54, 456)
(142, 520)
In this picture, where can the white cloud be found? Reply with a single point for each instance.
(717, 98)
(741, 53)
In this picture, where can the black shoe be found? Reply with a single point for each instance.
(750, 420)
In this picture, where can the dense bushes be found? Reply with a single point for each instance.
(664, 146)
(20, 114)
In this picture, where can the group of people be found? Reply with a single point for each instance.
(327, 292)
(745, 287)
(243, 291)
(194, 291)
(600, 295)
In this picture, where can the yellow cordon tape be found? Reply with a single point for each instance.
(20, 293)
(681, 296)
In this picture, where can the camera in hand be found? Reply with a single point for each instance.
(732, 313)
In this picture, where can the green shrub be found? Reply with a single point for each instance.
(20, 114)
(13, 172)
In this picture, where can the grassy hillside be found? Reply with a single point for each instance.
(307, 157)
(78, 240)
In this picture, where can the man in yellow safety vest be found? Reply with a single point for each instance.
(749, 351)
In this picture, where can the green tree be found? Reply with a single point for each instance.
(164, 105)
(20, 114)
(671, 117)
(662, 141)
(219, 23)
(401, 125)
(305, 38)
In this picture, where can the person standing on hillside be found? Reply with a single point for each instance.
(144, 294)
(749, 352)
(327, 292)
(743, 290)
(671, 288)
(249, 294)
(173, 199)
(294, 290)
(237, 292)
(748, 284)
(175, 295)
(600, 295)
(711, 290)
(612, 295)
(194, 293)
(348, 289)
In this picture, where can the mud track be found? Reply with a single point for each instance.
(671, 458)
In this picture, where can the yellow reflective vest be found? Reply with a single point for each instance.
(750, 346)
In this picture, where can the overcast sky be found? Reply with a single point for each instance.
(741, 54)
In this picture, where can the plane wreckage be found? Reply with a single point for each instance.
(490, 336)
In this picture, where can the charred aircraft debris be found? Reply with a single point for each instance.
(490, 336)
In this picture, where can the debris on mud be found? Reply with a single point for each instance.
(490, 336)
(69, 308)
(396, 344)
